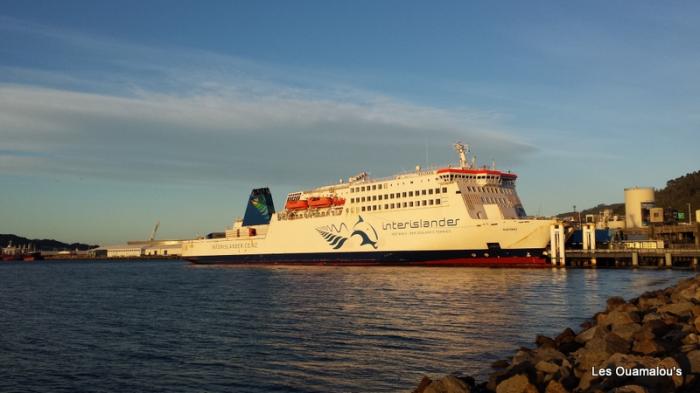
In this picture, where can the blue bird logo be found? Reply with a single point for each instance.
(366, 232)
(334, 235)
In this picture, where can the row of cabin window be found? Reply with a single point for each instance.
(490, 189)
(404, 194)
(453, 176)
(398, 205)
(368, 188)
(494, 200)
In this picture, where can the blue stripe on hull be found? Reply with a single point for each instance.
(514, 257)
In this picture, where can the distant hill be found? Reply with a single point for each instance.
(617, 209)
(677, 194)
(42, 244)
(681, 191)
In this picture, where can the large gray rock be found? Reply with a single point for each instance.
(691, 338)
(614, 303)
(424, 383)
(651, 300)
(672, 364)
(555, 387)
(546, 367)
(616, 344)
(516, 384)
(589, 334)
(654, 328)
(627, 330)
(547, 354)
(690, 294)
(523, 355)
(616, 317)
(566, 341)
(678, 309)
(585, 359)
(648, 346)
(694, 361)
(544, 341)
(448, 384)
(684, 291)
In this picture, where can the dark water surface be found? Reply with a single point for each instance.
(167, 326)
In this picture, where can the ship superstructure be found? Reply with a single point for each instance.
(461, 215)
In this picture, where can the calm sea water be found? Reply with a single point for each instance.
(167, 326)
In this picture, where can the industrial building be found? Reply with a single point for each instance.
(120, 251)
(638, 202)
(137, 249)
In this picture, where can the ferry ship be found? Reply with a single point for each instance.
(455, 215)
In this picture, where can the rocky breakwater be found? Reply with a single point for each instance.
(646, 345)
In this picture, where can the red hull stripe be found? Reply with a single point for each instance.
(506, 261)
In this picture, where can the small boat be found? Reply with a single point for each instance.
(299, 204)
(320, 202)
(338, 201)
(32, 256)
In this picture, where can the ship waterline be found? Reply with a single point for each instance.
(448, 216)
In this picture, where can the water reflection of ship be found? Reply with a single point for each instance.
(25, 252)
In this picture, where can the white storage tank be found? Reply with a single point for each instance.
(638, 201)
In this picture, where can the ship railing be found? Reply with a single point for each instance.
(366, 180)
(311, 213)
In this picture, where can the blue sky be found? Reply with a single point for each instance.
(114, 115)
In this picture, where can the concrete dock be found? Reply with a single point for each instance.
(659, 252)
(660, 258)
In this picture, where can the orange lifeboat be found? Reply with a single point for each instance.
(338, 202)
(299, 204)
(320, 202)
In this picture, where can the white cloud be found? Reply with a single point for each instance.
(211, 134)
(137, 113)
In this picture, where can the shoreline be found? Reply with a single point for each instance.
(648, 344)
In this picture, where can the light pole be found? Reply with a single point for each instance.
(689, 219)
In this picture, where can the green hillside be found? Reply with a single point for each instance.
(42, 244)
(677, 194)
(681, 191)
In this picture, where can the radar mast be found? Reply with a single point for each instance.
(462, 150)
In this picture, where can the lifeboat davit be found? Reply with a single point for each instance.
(299, 204)
(320, 202)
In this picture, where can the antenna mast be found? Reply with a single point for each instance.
(462, 150)
(155, 229)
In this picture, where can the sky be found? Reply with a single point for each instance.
(116, 115)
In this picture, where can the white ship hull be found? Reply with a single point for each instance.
(429, 236)
(450, 216)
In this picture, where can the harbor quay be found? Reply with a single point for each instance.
(667, 246)
(659, 258)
